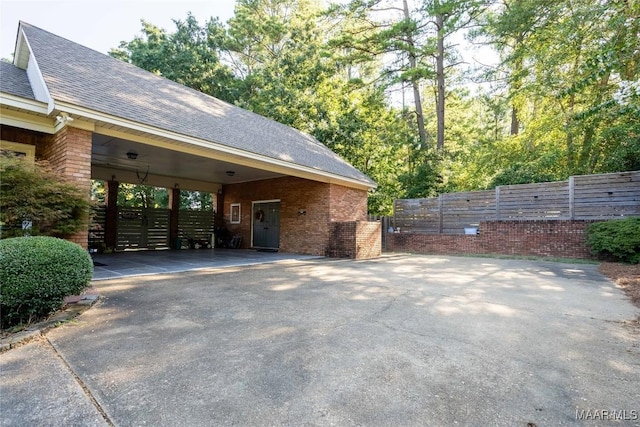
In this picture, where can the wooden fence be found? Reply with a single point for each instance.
(149, 228)
(587, 197)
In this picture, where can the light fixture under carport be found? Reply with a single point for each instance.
(230, 173)
(132, 155)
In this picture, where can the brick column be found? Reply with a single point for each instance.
(69, 154)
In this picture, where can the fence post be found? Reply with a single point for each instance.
(440, 211)
(498, 203)
(384, 224)
(395, 202)
(571, 197)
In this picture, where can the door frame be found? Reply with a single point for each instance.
(253, 204)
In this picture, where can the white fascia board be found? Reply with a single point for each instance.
(38, 85)
(25, 113)
(233, 154)
(21, 54)
(26, 104)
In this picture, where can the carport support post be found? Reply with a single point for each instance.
(111, 221)
(174, 206)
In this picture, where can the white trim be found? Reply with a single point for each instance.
(24, 120)
(265, 201)
(235, 205)
(36, 79)
(29, 151)
(20, 59)
(23, 103)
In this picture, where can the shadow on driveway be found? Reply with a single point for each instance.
(140, 263)
(400, 340)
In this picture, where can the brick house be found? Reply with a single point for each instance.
(94, 117)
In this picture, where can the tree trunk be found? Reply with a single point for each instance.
(516, 85)
(515, 124)
(414, 84)
(440, 78)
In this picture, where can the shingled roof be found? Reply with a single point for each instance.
(79, 76)
(14, 81)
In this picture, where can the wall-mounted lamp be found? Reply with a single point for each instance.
(302, 212)
(132, 155)
(230, 173)
(63, 118)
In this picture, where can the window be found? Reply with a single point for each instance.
(19, 150)
(235, 213)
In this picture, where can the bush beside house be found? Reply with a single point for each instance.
(34, 194)
(36, 274)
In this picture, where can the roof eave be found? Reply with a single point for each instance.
(155, 136)
(25, 113)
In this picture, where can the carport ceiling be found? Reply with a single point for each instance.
(112, 152)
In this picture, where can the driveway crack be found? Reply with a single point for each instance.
(81, 383)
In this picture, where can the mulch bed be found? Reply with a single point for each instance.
(626, 276)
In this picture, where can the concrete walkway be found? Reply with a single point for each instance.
(397, 341)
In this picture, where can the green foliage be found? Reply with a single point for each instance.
(142, 196)
(190, 56)
(619, 238)
(36, 273)
(520, 173)
(35, 193)
(563, 100)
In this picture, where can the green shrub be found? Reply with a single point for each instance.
(35, 193)
(619, 238)
(36, 273)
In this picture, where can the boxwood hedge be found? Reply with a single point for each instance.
(36, 273)
(618, 238)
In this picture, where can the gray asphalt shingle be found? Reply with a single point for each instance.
(83, 77)
(13, 80)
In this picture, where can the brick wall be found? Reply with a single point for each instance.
(23, 136)
(68, 153)
(305, 234)
(564, 239)
(347, 204)
(368, 239)
(355, 240)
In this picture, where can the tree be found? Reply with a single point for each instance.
(389, 32)
(34, 194)
(189, 56)
(450, 17)
(566, 60)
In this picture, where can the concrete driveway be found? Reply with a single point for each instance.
(397, 341)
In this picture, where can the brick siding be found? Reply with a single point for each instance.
(564, 239)
(68, 153)
(310, 233)
(355, 240)
(23, 136)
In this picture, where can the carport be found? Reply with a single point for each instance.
(94, 117)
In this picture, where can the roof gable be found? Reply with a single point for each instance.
(80, 76)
